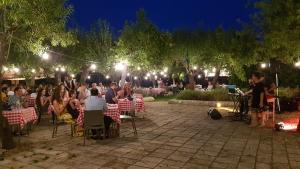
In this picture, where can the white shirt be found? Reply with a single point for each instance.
(95, 103)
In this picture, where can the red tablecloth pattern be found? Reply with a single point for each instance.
(31, 101)
(20, 116)
(112, 111)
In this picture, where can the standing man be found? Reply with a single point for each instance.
(258, 100)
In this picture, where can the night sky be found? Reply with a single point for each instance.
(166, 14)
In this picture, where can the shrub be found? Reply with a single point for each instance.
(214, 95)
(289, 92)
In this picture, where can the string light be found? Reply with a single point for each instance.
(72, 75)
(263, 65)
(128, 74)
(135, 78)
(89, 77)
(33, 71)
(5, 68)
(107, 77)
(17, 70)
(45, 56)
(93, 67)
(62, 69)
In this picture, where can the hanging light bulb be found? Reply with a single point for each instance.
(107, 77)
(89, 77)
(135, 78)
(33, 71)
(93, 67)
(62, 69)
(5, 68)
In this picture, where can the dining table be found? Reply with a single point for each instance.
(20, 116)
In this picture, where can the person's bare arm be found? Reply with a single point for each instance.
(261, 102)
(58, 109)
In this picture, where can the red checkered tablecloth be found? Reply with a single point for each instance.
(139, 105)
(20, 117)
(125, 105)
(31, 101)
(112, 111)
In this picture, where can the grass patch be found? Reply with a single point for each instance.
(214, 95)
(165, 98)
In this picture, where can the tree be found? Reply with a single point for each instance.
(142, 44)
(94, 47)
(32, 24)
(279, 25)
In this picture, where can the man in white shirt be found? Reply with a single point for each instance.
(94, 102)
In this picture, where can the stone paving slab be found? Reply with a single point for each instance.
(170, 136)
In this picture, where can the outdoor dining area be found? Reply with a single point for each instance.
(78, 107)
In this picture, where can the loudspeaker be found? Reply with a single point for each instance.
(214, 114)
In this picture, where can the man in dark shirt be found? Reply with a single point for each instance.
(110, 98)
(110, 95)
(258, 95)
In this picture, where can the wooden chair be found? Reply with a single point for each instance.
(58, 123)
(93, 119)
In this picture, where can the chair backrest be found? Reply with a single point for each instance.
(93, 118)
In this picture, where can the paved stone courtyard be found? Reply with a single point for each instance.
(169, 136)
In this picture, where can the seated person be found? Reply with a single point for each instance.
(3, 95)
(16, 99)
(72, 107)
(110, 95)
(94, 102)
(59, 106)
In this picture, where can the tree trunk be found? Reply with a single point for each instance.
(58, 78)
(192, 83)
(123, 77)
(84, 74)
(216, 77)
(3, 54)
(32, 81)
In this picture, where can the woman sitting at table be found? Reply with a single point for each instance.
(42, 102)
(73, 105)
(59, 106)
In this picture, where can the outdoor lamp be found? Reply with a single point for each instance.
(263, 65)
(17, 70)
(5, 68)
(93, 67)
(45, 56)
(120, 66)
